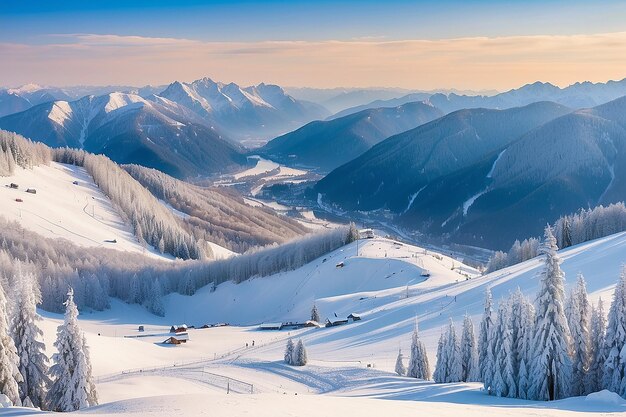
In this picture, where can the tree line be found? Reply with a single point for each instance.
(569, 230)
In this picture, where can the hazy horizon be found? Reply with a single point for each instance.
(420, 45)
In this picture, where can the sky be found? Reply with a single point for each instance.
(410, 44)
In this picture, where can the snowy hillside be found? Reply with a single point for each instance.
(79, 212)
(375, 285)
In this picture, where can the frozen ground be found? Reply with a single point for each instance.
(350, 369)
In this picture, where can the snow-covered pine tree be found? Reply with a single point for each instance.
(441, 365)
(614, 378)
(578, 316)
(448, 367)
(9, 372)
(469, 352)
(301, 357)
(33, 362)
(289, 352)
(353, 233)
(551, 361)
(485, 354)
(315, 315)
(524, 339)
(503, 377)
(73, 387)
(418, 362)
(400, 368)
(597, 352)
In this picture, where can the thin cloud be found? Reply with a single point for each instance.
(466, 63)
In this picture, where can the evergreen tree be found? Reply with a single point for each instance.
(523, 329)
(578, 316)
(448, 367)
(469, 352)
(485, 354)
(9, 372)
(73, 386)
(418, 362)
(300, 354)
(400, 368)
(315, 315)
(289, 352)
(614, 378)
(597, 352)
(503, 377)
(551, 362)
(353, 233)
(33, 362)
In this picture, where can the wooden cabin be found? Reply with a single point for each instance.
(353, 317)
(177, 339)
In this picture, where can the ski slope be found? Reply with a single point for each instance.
(80, 212)
(350, 368)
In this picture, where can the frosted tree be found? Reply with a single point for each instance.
(418, 362)
(485, 354)
(9, 372)
(400, 368)
(73, 387)
(289, 352)
(551, 362)
(315, 315)
(300, 355)
(597, 352)
(522, 326)
(448, 368)
(578, 317)
(614, 378)
(469, 352)
(504, 383)
(33, 362)
(353, 233)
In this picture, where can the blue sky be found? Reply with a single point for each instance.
(26, 21)
(412, 44)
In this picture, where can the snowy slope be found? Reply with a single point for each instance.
(79, 213)
(337, 381)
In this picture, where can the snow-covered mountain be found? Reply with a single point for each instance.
(157, 133)
(489, 184)
(326, 145)
(15, 100)
(256, 112)
(577, 96)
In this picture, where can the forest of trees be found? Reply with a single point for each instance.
(559, 346)
(218, 215)
(96, 273)
(572, 229)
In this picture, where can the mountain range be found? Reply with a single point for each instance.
(326, 145)
(188, 129)
(579, 95)
(156, 133)
(488, 177)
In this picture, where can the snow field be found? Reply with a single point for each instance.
(337, 380)
(79, 213)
